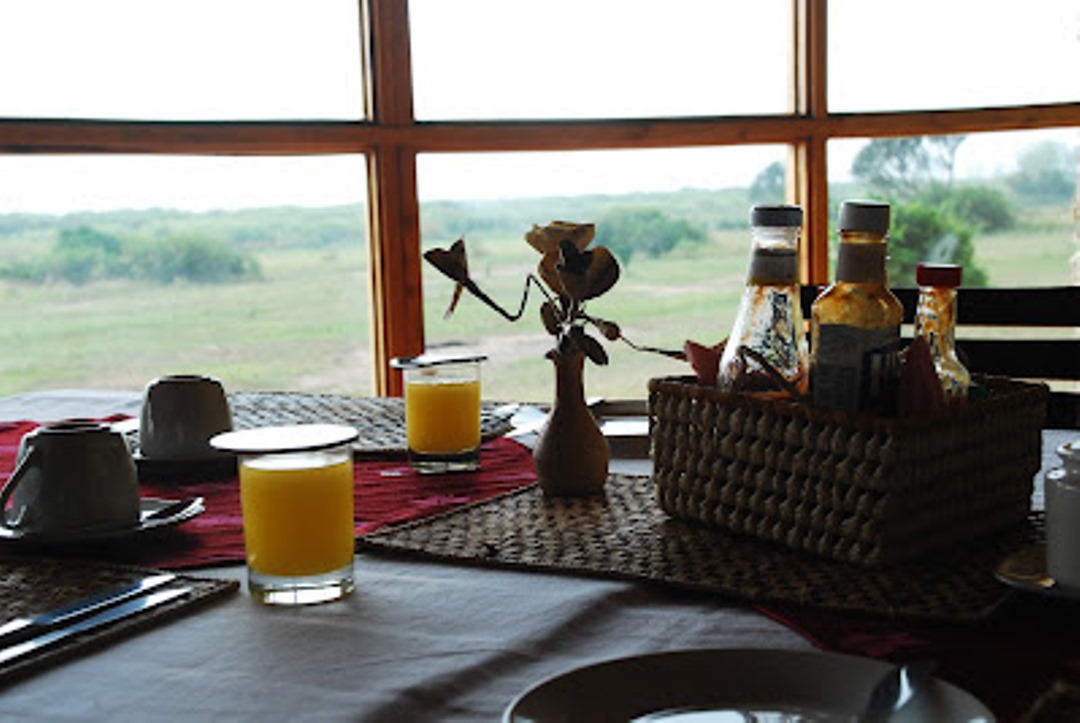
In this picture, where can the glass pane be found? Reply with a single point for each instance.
(675, 219)
(487, 59)
(181, 60)
(1004, 205)
(115, 270)
(927, 54)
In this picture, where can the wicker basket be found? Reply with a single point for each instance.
(855, 488)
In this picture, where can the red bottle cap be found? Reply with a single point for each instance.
(947, 275)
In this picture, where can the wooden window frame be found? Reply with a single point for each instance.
(391, 138)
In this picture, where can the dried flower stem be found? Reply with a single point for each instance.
(476, 291)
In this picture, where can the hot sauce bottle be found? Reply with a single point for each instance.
(935, 320)
(855, 322)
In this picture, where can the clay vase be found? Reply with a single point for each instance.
(571, 453)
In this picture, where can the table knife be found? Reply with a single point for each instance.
(20, 629)
(107, 616)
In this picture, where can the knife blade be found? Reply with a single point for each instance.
(20, 629)
(105, 617)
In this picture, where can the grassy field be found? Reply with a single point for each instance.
(305, 325)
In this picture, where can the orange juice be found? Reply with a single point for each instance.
(442, 415)
(298, 513)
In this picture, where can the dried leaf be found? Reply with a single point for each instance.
(594, 350)
(571, 270)
(452, 262)
(550, 317)
(602, 273)
(548, 270)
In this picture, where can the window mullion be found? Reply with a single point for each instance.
(808, 177)
(395, 288)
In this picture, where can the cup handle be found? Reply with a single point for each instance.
(13, 482)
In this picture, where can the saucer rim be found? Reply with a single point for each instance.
(1047, 586)
(197, 506)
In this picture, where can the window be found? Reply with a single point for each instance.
(661, 213)
(926, 54)
(598, 59)
(436, 109)
(181, 60)
(244, 268)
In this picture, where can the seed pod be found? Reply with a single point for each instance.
(609, 329)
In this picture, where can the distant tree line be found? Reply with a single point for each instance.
(83, 254)
(646, 231)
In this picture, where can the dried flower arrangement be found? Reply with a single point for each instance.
(571, 454)
(569, 274)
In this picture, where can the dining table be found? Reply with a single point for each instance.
(456, 635)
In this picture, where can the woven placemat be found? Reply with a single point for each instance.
(381, 420)
(30, 586)
(626, 535)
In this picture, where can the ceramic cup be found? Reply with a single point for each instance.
(180, 413)
(1062, 494)
(71, 476)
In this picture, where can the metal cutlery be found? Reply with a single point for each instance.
(107, 616)
(20, 629)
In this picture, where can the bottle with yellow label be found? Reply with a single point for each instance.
(855, 322)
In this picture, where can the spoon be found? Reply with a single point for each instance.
(173, 508)
(897, 688)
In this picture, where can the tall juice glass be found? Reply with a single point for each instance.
(296, 493)
(442, 412)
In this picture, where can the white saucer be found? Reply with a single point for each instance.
(151, 518)
(1025, 570)
(728, 685)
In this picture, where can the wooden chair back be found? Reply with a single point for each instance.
(1023, 333)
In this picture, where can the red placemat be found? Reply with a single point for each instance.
(387, 491)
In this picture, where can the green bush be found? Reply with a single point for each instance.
(649, 231)
(83, 254)
(981, 207)
(927, 232)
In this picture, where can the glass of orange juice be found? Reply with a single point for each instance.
(442, 412)
(296, 495)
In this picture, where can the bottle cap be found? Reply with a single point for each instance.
(872, 216)
(947, 275)
(776, 216)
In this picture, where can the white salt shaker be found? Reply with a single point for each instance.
(1062, 494)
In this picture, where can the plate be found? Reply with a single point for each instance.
(721, 685)
(155, 513)
(624, 422)
(1025, 570)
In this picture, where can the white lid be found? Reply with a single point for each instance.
(288, 438)
(432, 360)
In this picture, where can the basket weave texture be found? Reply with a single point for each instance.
(860, 489)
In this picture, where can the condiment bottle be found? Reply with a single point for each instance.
(935, 320)
(855, 322)
(1062, 502)
(769, 326)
